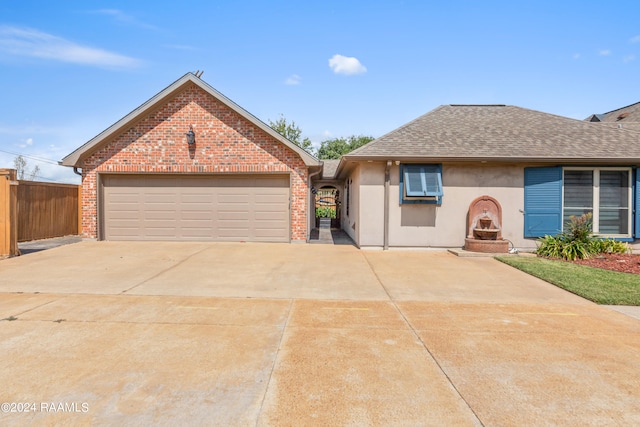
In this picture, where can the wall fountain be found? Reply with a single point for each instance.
(484, 227)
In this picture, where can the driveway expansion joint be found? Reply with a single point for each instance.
(424, 345)
(163, 271)
(273, 365)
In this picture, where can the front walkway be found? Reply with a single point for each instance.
(330, 236)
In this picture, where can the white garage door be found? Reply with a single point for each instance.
(204, 207)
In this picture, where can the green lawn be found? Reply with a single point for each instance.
(597, 285)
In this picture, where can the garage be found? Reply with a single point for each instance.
(190, 164)
(252, 208)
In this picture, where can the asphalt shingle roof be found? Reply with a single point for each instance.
(329, 168)
(630, 113)
(502, 132)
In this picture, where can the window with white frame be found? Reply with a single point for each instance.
(606, 193)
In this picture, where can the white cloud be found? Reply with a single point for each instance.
(628, 58)
(346, 65)
(576, 56)
(37, 44)
(604, 52)
(122, 17)
(27, 142)
(635, 39)
(293, 80)
(327, 134)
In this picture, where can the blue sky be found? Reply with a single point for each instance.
(70, 69)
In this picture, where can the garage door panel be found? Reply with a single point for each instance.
(232, 216)
(271, 182)
(202, 207)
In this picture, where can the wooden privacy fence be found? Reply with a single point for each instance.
(8, 213)
(47, 210)
(31, 210)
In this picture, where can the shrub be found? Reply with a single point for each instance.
(325, 212)
(609, 246)
(578, 242)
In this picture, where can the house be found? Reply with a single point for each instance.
(190, 164)
(541, 168)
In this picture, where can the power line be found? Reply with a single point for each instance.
(27, 156)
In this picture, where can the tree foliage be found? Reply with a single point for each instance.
(23, 170)
(336, 147)
(292, 132)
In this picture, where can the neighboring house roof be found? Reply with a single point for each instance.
(76, 157)
(630, 113)
(626, 117)
(502, 133)
(329, 168)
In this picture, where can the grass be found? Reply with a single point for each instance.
(594, 284)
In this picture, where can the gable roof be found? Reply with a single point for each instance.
(76, 157)
(502, 133)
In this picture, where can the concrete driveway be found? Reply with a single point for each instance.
(104, 333)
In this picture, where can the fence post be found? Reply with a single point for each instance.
(79, 210)
(8, 213)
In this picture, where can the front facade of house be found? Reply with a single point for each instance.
(238, 181)
(413, 187)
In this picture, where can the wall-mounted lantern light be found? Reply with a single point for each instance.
(191, 136)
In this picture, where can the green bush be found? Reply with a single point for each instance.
(578, 242)
(608, 246)
(325, 212)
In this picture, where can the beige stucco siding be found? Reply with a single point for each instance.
(441, 226)
(372, 204)
(351, 196)
(445, 225)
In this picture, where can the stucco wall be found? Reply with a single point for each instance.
(372, 206)
(351, 221)
(443, 225)
(225, 143)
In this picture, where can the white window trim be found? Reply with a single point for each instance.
(596, 198)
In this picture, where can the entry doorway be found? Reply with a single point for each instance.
(327, 207)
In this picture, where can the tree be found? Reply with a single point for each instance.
(292, 132)
(23, 169)
(336, 147)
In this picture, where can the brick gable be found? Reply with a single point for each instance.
(225, 143)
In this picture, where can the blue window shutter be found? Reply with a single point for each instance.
(542, 201)
(423, 180)
(637, 204)
(433, 180)
(414, 178)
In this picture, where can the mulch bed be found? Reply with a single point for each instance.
(624, 263)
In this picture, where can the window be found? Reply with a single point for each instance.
(603, 192)
(421, 184)
(552, 194)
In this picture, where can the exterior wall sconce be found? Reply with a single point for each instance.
(191, 136)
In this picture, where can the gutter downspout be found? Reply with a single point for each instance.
(75, 170)
(387, 179)
(310, 207)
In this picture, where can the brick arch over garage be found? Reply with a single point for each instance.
(226, 144)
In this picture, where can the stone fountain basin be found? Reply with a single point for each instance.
(486, 233)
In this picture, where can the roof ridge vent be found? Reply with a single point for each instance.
(477, 105)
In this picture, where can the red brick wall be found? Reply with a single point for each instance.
(225, 143)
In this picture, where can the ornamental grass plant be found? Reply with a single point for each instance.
(578, 241)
